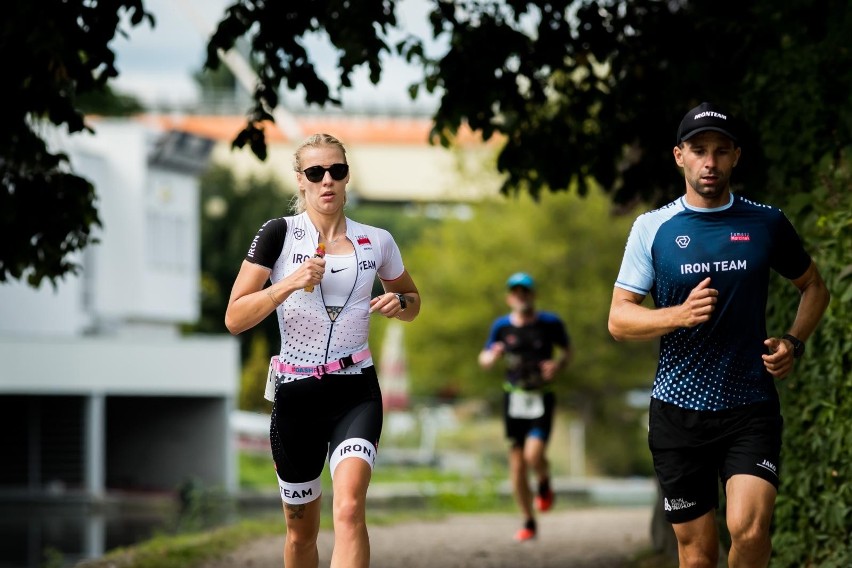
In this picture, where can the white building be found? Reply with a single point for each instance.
(99, 391)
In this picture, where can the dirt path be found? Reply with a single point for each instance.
(606, 537)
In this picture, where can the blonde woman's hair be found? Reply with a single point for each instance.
(314, 141)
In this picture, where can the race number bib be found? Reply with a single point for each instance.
(523, 404)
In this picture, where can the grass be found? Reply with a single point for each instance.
(184, 550)
(448, 492)
(193, 547)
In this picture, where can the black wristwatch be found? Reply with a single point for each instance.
(798, 345)
(403, 303)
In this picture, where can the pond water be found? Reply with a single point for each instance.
(60, 535)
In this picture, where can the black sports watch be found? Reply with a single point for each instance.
(798, 345)
(403, 303)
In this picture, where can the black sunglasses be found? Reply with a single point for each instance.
(316, 173)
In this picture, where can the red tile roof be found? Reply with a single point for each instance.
(351, 130)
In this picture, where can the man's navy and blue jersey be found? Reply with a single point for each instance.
(715, 365)
(527, 346)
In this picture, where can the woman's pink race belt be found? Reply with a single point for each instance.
(320, 370)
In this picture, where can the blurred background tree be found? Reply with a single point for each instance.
(584, 90)
(572, 246)
(232, 210)
(579, 91)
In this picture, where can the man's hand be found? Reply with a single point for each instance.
(487, 357)
(699, 305)
(549, 368)
(779, 361)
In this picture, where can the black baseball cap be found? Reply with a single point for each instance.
(704, 117)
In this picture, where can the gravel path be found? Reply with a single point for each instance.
(603, 537)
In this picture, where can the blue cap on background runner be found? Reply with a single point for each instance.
(521, 279)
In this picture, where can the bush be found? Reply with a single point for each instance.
(812, 520)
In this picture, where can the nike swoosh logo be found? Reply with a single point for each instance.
(333, 271)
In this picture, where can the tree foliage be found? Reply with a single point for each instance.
(572, 246)
(813, 516)
(57, 54)
(584, 90)
(577, 90)
(232, 210)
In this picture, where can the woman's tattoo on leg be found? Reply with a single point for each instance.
(295, 511)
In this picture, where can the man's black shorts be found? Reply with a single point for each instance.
(694, 449)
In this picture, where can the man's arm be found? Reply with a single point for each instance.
(812, 304)
(813, 301)
(566, 355)
(550, 367)
(629, 320)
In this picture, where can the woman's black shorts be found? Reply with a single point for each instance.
(334, 417)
